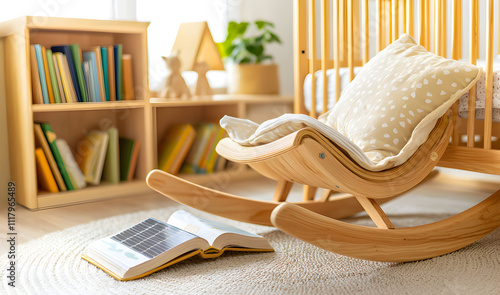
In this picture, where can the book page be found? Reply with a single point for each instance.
(207, 229)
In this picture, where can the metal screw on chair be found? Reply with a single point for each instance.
(321, 156)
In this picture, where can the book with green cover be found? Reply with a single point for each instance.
(74, 172)
(212, 156)
(111, 170)
(174, 147)
(53, 78)
(129, 150)
(51, 140)
(77, 64)
(104, 58)
(118, 51)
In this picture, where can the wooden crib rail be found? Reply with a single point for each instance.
(335, 34)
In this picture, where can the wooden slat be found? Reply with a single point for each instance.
(380, 8)
(312, 54)
(350, 26)
(427, 15)
(411, 18)
(282, 190)
(473, 58)
(336, 49)
(405, 16)
(299, 54)
(422, 31)
(366, 52)
(325, 48)
(471, 159)
(395, 19)
(488, 108)
(440, 28)
(457, 30)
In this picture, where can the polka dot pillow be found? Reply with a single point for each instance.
(391, 106)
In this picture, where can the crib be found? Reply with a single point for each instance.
(331, 40)
(331, 46)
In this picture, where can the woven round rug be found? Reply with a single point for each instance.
(52, 264)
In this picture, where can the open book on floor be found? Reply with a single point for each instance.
(152, 245)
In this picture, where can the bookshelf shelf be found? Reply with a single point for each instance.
(88, 106)
(143, 119)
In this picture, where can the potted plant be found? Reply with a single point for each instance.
(250, 68)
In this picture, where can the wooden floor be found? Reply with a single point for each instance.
(33, 224)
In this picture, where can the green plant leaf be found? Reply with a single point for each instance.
(245, 60)
(261, 24)
(256, 50)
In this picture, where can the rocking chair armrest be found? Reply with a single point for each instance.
(250, 154)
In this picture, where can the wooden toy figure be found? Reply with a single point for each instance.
(175, 86)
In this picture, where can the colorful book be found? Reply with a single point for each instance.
(51, 137)
(211, 160)
(111, 73)
(53, 76)
(41, 141)
(204, 132)
(90, 57)
(175, 146)
(64, 79)
(47, 75)
(209, 149)
(44, 175)
(74, 172)
(91, 155)
(129, 152)
(41, 73)
(111, 170)
(65, 49)
(118, 71)
(128, 80)
(59, 81)
(184, 235)
(105, 75)
(86, 75)
(35, 78)
(77, 65)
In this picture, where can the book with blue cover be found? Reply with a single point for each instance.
(89, 56)
(41, 72)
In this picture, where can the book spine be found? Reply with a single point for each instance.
(53, 78)
(77, 65)
(50, 136)
(128, 81)
(118, 71)
(64, 78)
(111, 73)
(71, 69)
(47, 75)
(35, 79)
(104, 58)
(41, 73)
(40, 140)
(45, 177)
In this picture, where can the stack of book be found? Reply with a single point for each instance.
(190, 149)
(100, 156)
(67, 73)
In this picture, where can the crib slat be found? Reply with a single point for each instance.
(300, 56)
(388, 17)
(405, 16)
(471, 114)
(380, 40)
(423, 13)
(488, 109)
(312, 54)
(325, 48)
(411, 18)
(395, 19)
(350, 26)
(336, 49)
(456, 52)
(440, 28)
(366, 49)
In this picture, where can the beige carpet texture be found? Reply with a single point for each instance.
(52, 264)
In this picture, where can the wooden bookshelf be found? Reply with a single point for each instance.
(142, 119)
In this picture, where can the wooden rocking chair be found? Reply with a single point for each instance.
(307, 157)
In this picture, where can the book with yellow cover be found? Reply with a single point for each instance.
(152, 245)
(44, 175)
(175, 146)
